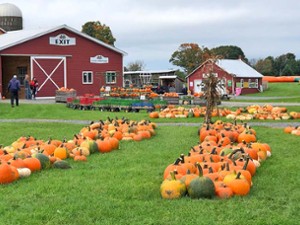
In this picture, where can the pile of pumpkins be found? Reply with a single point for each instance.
(269, 112)
(221, 165)
(28, 154)
(266, 112)
(64, 89)
(294, 130)
(171, 94)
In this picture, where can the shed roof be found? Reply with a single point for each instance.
(167, 77)
(12, 38)
(149, 72)
(238, 68)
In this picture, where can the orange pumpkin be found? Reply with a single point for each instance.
(104, 146)
(7, 175)
(154, 114)
(239, 186)
(61, 152)
(33, 164)
(222, 190)
(80, 158)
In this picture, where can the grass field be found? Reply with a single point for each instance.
(122, 187)
(286, 92)
(281, 89)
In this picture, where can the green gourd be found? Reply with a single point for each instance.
(201, 187)
(61, 164)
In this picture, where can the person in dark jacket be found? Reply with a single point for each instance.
(14, 88)
(184, 90)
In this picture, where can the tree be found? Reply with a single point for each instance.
(137, 65)
(97, 30)
(284, 64)
(265, 66)
(229, 52)
(297, 69)
(180, 74)
(188, 56)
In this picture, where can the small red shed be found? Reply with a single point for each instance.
(236, 75)
(59, 57)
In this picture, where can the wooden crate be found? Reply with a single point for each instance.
(62, 96)
(172, 100)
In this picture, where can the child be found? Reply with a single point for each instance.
(33, 86)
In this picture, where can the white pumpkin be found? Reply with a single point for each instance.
(24, 172)
(256, 163)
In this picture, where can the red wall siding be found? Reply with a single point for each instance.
(78, 60)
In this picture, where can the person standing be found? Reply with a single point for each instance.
(184, 90)
(33, 86)
(27, 87)
(13, 88)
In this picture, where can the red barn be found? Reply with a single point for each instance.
(237, 76)
(59, 57)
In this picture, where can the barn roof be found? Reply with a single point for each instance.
(234, 67)
(12, 38)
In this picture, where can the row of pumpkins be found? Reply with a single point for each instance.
(221, 165)
(28, 154)
(266, 112)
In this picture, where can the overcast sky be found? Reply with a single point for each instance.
(151, 30)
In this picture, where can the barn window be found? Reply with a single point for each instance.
(253, 83)
(111, 77)
(87, 77)
(22, 71)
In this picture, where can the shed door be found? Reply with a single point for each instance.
(197, 86)
(50, 73)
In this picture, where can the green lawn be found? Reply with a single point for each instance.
(290, 92)
(281, 89)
